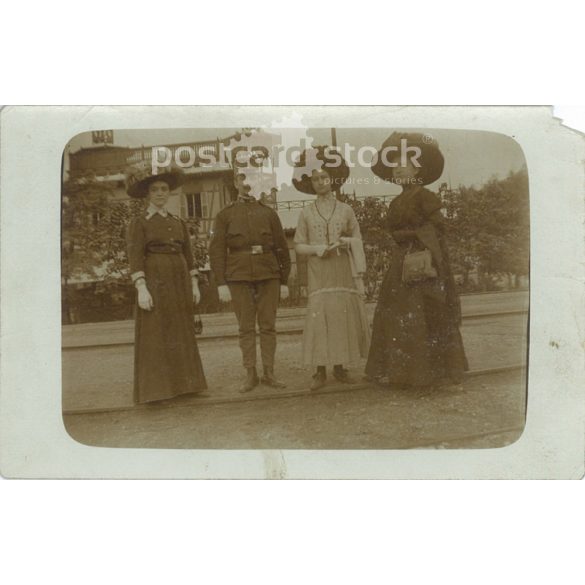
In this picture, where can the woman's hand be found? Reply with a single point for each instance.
(144, 297)
(321, 250)
(324, 251)
(225, 296)
(196, 291)
(284, 292)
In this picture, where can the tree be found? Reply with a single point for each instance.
(489, 228)
(84, 205)
(487, 231)
(93, 236)
(371, 216)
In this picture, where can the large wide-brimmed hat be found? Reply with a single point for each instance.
(324, 158)
(139, 176)
(431, 160)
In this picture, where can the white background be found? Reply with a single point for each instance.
(291, 532)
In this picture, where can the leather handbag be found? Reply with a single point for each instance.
(418, 266)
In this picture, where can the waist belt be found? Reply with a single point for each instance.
(252, 250)
(163, 249)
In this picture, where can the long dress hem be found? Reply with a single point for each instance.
(336, 328)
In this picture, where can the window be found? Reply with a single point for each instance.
(194, 205)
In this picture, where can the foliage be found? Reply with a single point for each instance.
(371, 216)
(84, 203)
(198, 246)
(93, 232)
(487, 231)
(489, 227)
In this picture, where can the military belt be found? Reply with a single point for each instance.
(253, 250)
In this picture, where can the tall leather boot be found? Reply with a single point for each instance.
(250, 382)
(269, 379)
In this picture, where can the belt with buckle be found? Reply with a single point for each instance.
(163, 248)
(254, 250)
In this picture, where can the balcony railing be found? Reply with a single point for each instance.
(111, 160)
(300, 203)
(210, 147)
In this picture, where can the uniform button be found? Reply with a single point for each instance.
(169, 229)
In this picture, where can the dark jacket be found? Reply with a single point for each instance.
(240, 226)
(144, 233)
(416, 215)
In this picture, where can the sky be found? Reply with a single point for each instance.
(471, 157)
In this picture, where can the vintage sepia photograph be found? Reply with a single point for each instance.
(292, 296)
(293, 286)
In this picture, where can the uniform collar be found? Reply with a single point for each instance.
(246, 199)
(153, 210)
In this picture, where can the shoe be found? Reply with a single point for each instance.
(342, 375)
(319, 379)
(250, 382)
(269, 380)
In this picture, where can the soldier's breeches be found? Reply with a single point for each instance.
(256, 301)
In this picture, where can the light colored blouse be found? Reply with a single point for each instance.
(314, 230)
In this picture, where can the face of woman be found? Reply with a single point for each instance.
(321, 182)
(159, 193)
(406, 174)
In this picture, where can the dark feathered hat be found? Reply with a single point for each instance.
(325, 158)
(428, 156)
(140, 175)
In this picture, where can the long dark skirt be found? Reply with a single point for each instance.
(166, 358)
(415, 339)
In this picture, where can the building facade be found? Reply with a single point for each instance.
(206, 190)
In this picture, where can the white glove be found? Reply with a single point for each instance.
(196, 291)
(225, 296)
(284, 294)
(144, 298)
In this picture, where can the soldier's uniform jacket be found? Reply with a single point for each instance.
(248, 244)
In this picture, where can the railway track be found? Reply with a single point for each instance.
(222, 333)
(232, 333)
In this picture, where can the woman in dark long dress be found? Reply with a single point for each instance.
(416, 339)
(166, 357)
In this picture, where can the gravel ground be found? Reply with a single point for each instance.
(98, 378)
(484, 412)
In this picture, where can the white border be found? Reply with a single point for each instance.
(33, 440)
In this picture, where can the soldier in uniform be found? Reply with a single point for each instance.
(251, 263)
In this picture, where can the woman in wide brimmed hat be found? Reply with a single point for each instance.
(416, 339)
(336, 331)
(166, 357)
